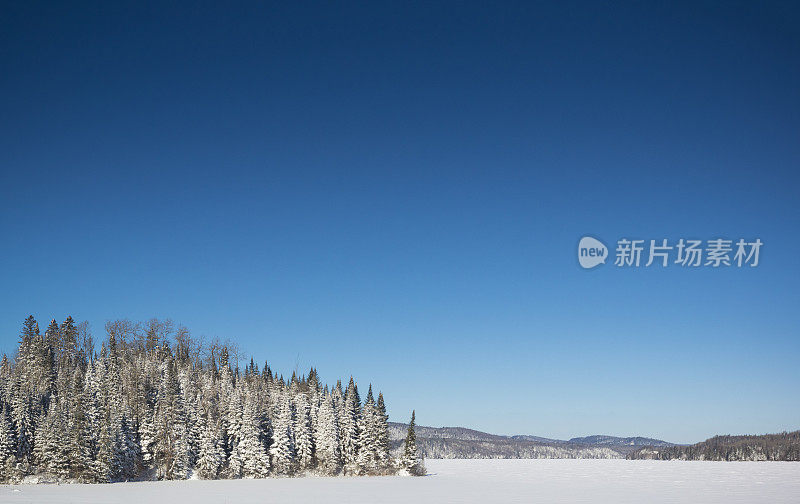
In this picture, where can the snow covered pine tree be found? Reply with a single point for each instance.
(156, 404)
(411, 462)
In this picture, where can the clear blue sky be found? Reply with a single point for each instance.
(396, 191)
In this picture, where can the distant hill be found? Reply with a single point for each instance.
(460, 442)
(619, 441)
(784, 446)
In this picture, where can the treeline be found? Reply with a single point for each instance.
(784, 446)
(154, 403)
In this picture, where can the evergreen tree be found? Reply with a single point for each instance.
(105, 466)
(303, 436)
(93, 417)
(368, 436)
(30, 330)
(128, 449)
(329, 457)
(231, 409)
(382, 431)
(211, 456)
(170, 426)
(78, 435)
(283, 448)
(349, 427)
(7, 448)
(22, 418)
(255, 461)
(110, 462)
(69, 338)
(190, 395)
(5, 381)
(52, 337)
(50, 453)
(181, 459)
(411, 461)
(147, 437)
(46, 365)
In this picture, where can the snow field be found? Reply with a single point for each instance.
(466, 481)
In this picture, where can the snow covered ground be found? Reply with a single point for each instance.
(468, 481)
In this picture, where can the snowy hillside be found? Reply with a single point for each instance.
(784, 446)
(619, 441)
(459, 442)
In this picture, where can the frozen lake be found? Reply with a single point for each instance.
(468, 481)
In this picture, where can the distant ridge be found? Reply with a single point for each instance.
(620, 441)
(784, 446)
(460, 442)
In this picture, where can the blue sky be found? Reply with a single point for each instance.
(396, 191)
